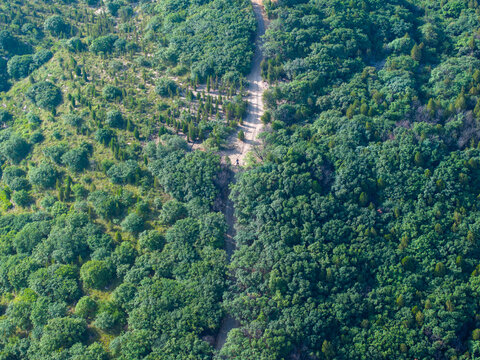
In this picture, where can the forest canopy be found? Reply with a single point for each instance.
(356, 216)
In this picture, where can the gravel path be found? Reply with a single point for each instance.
(252, 123)
(239, 149)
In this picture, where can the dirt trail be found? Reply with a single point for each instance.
(238, 149)
(228, 322)
(252, 123)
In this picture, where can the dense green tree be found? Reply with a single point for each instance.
(76, 159)
(56, 281)
(20, 66)
(96, 274)
(15, 178)
(61, 333)
(15, 148)
(111, 93)
(172, 211)
(41, 57)
(44, 175)
(8, 41)
(31, 235)
(115, 119)
(133, 223)
(45, 94)
(56, 26)
(165, 87)
(151, 240)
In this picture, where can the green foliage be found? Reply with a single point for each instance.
(56, 281)
(8, 41)
(111, 93)
(227, 49)
(96, 274)
(151, 240)
(104, 136)
(14, 178)
(15, 148)
(241, 135)
(20, 66)
(31, 235)
(165, 87)
(56, 26)
(45, 94)
(104, 204)
(55, 152)
(73, 120)
(5, 116)
(86, 307)
(115, 119)
(124, 172)
(186, 175)
(76, 159)
(172, 211)
(133, 223)
(103, 44)
(61, 333)
(105, 321)
(44, 176)
(41, 57)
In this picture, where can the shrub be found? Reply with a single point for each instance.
(120, 45)
(55, 152)
(73, 120)
(76, 159)
(111, 93)
(103, 44)
(5, 116)
(15, 179)
(20, 66)
(31, 235)
(113, 7)
(133, 223)
(15, 149)
(79, 192)
(45, 94)
(41, 57)
(56, 26)
(33, 119)
(75, 45)
(115, 119)
(241, 135)
(61, 333)
(37, 137)
(103, 136)
(104, 203)
(105, 321)
(124, 172)
(22, 198)
(4, 83)
(125, 12)
(151, 240)
(86, 307)
(44, 176)
(96, 273)
(8, 42)
(172, 211)
(165, 87)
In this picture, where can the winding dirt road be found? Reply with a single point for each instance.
(252, 123)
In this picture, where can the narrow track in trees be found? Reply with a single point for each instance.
(251, 127)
